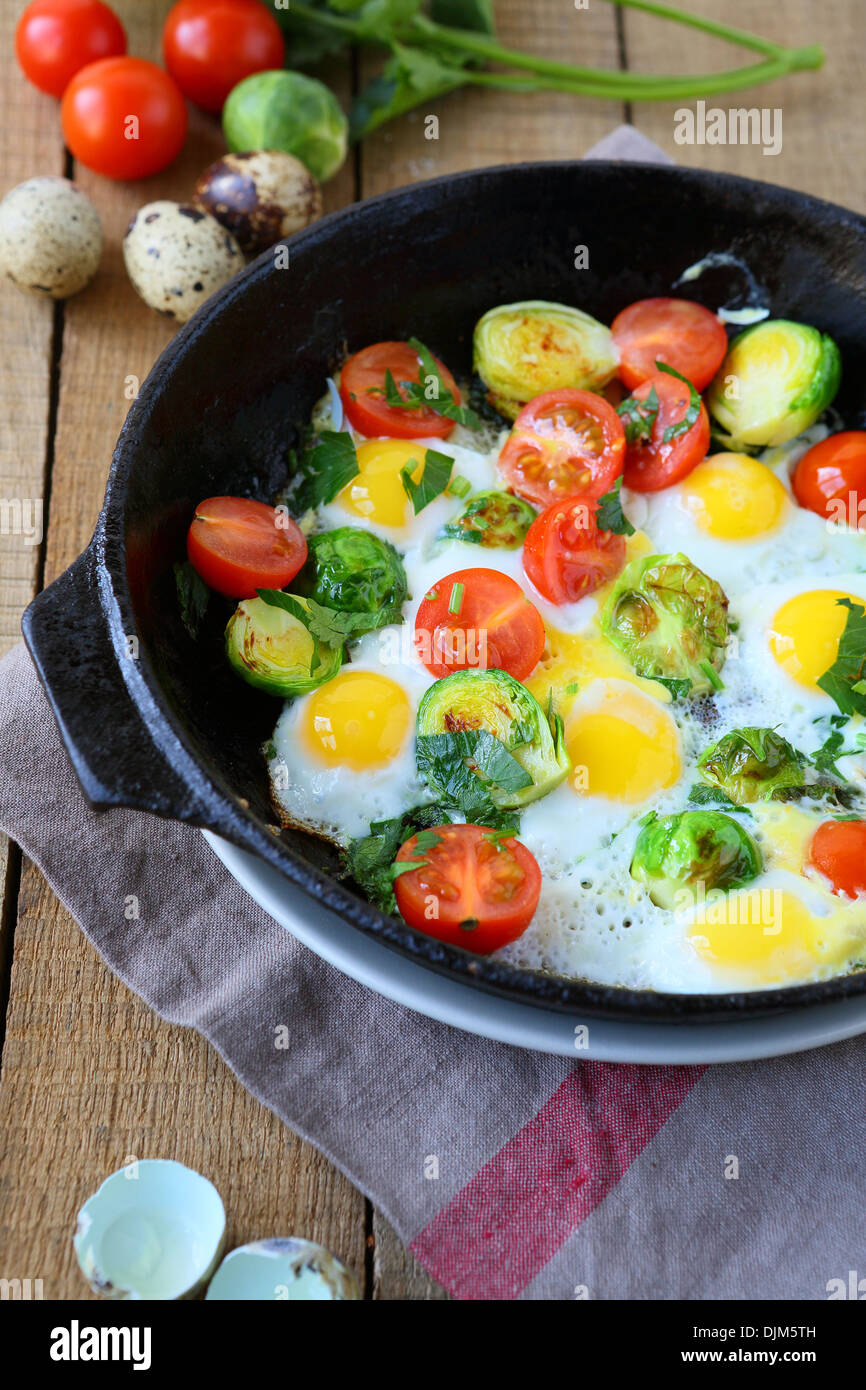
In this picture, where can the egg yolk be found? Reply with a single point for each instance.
(804, 633)
(377, 492)
(734, 497)
(770, 934)
(359, 720)
(622, 746)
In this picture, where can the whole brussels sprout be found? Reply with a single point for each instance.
(753, 764)
(271, 649)
(288, 111)
(496, 520)
(493, 700)
(520, 350)
(777, 378)
(670, 620)
(356, 572)
(680, 856)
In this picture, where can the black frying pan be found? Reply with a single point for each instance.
(173, 731)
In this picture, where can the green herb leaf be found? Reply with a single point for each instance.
(701, 794)
(638, 417)
(694, 408)
(609, 515)
(824, 759)
(324, 471)
(433, 481)
(193, 595)
(842, 679)
(428, 392)
(369, 859)
(679, 688)
(463, 766)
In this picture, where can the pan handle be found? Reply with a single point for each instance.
(114, 756)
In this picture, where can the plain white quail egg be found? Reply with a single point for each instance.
(50, 237)
(176, 255)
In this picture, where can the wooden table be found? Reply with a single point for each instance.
(89, 1074)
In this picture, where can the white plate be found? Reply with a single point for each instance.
(526, 1025)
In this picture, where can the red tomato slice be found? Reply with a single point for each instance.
(831, 478)
(472, 888)
(238, 546)
(563, 443)
(566, 556)
(652, 464)
(478, 618)
(838, 851)
(677, 331)
(55, 39)
(362, 388)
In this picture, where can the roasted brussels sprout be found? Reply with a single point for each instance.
(520, 350)
(497, 520)
(777, 378)
(679, 857)
(356, 572)
(474, 700)
(753, 764)
(671, 621)
(273, 650)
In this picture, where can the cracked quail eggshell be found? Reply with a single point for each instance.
(283, 1269)
(154, 1230)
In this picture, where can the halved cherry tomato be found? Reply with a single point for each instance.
(238, 545)
(55, 39)
(566, 556)
(563, 443)
(211, 45)
(362, 388)
(830, 478)
(652, 464)
(478, 618)
(838, 851)
(123, 117)
(677, 331)
(472, 888)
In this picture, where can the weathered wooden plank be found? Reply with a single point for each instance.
(822, 111)
(90, 1074)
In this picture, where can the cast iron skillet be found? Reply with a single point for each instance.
(170, 729)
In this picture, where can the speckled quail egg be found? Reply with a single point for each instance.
(176, 255)
(260, 196)
(50, 237)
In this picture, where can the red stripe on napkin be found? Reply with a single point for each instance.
(509, 1220)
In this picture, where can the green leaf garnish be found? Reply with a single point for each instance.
(609, 514)
(463, 766)
(369, 858)
(638, 417)
(455, 602)
(679, 688)
(324, 471)
(694, 408)
(428, 392)
(433, 481)
(842, 680)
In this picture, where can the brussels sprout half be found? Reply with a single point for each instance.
(777, 378)
(356, 572)
(752, 764)
(496, 520)
(273, 650)
(520, 350)
(495, 701)
(682, 855)
(670, 620)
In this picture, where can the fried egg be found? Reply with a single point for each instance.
(343, 755)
